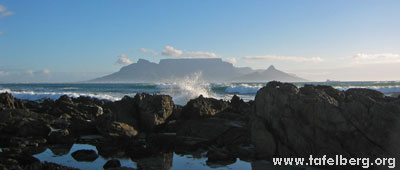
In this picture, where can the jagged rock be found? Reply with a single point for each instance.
(117, 130)
(124, 111)
(82, 127)
(7, 101)
(17, 160)
(61, 136)
(202, 108)
(113, 163)
(239, 106)
(85, 155)
(154, 110)
(62, 122)
(33, 128)
(222, 131)
(319, 120)
(91, 109)
(89, 101)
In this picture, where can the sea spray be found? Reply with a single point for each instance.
(189, 87)
(39, 95)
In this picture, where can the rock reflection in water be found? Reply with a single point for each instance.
(157, 162)
(61, 154)
(60, 150)
(67, 160)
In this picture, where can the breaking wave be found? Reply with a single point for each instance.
(189, 87)
(37, 96)
(181, 90)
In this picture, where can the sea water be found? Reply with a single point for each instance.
(177, 162)
(180, 91)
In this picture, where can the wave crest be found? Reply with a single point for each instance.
(189, 87)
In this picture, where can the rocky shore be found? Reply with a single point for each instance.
(282, 121)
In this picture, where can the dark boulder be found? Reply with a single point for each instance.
(154, 110)
(34, 128)
(17, 160)
(81, 127)
(124, 110)
(219, 131)
(202, 108)
(85, 155)
(319, 120)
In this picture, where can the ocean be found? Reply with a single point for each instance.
(181, 91)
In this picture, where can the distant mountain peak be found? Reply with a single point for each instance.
(271, 67)
(143, 61)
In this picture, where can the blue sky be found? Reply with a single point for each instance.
(48, 40)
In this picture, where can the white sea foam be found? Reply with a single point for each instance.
(243, 89)
(35, 96)
(383, 89)
(189, 87)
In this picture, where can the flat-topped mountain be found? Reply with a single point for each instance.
(211, 69)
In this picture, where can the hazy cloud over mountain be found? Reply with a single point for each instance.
(231, 60)
(144, 50)
(171, 51)
(123, 60)
(285, 58)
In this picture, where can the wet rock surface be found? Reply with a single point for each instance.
(320, 120)
(85, 155)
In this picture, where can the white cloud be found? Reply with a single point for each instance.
(362, 58)
(171, 51)
(285, 58)
(200, 54)
(232, 60)
(144, 50)
(123, 60)
(4, 12)
(4, 73)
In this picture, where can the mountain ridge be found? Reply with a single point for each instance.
(211, 69)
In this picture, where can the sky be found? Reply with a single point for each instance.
(73, 40)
